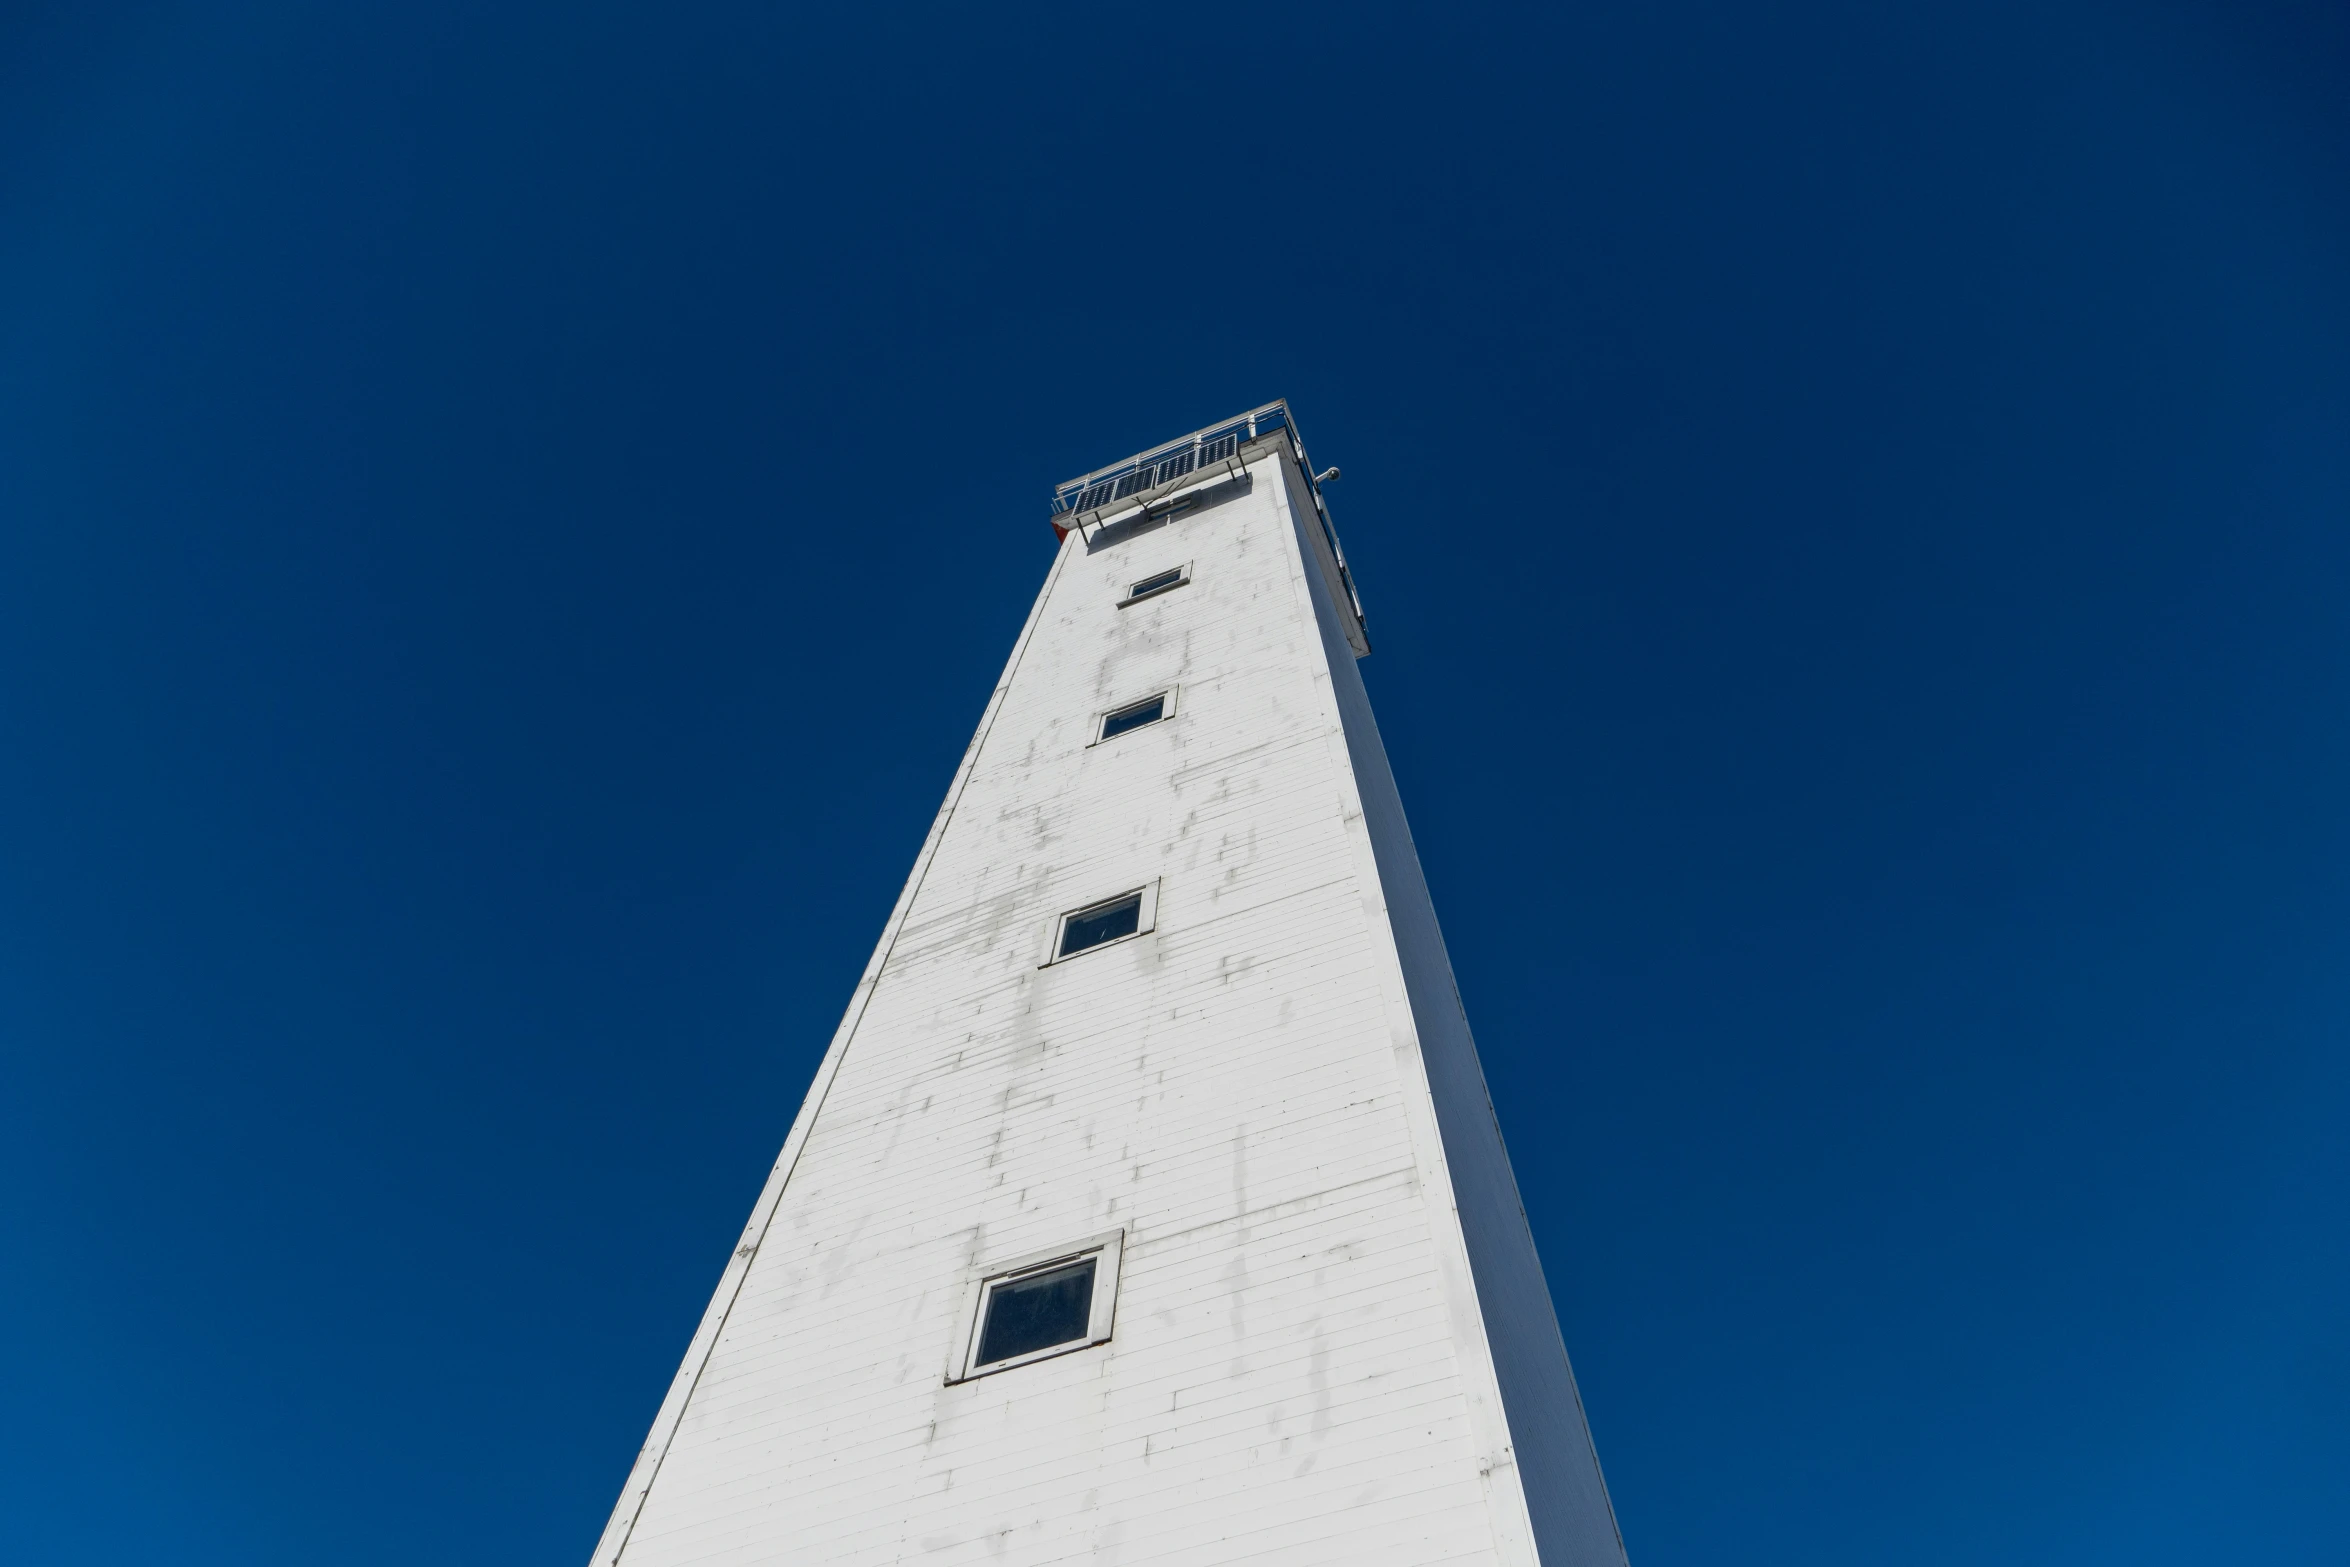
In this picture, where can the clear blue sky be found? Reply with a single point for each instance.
(509, 513)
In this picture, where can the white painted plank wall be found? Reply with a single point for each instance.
(1298, 1371)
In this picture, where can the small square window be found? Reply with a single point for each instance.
(1147, 711)
(1101, 925)
(1116, 919)
(1036, 1311)
(1033, 1308)
(1156, 584)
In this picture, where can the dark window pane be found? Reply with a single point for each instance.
(1134, 717)
(1158, 584)
(1106, 923)
(1037, 1312)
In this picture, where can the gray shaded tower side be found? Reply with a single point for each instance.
(1573, 1520)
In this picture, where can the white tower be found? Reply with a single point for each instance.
(1148, 1207)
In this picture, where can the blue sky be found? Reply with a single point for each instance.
(509, 513)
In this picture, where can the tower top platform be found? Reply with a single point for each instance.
(1182, 463)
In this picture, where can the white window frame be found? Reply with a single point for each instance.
(1170, 696)
(1132, 597)
(1146, 919)
(1106, 1250)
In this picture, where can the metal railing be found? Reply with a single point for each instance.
(1169, 461)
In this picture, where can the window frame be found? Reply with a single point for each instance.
(1146, 920)
(1182, 581)
(1170, 695)
(1108, 1251)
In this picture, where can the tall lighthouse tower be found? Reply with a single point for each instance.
(1148, 1209)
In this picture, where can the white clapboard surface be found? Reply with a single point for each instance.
(1329, 1338)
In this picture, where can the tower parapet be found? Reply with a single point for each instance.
(1158, 476)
